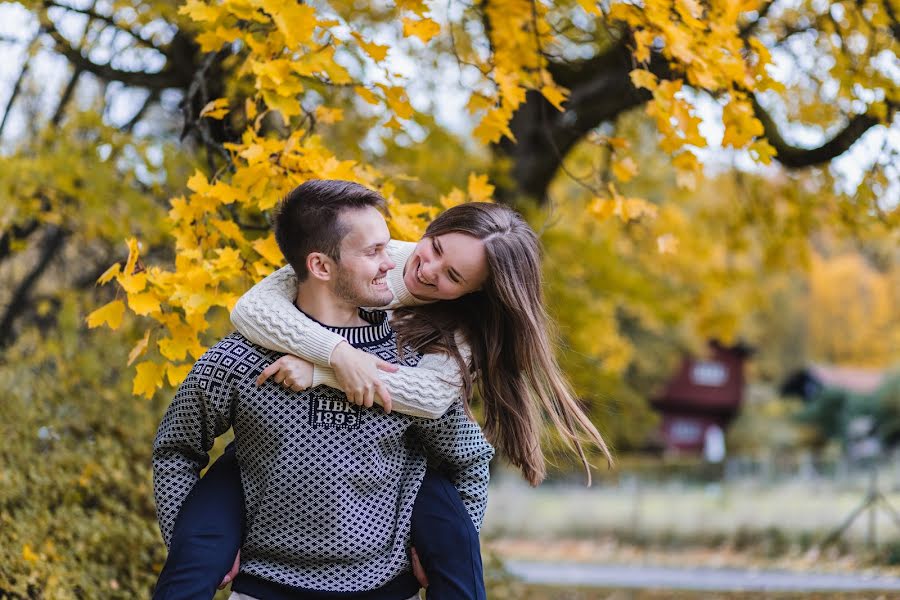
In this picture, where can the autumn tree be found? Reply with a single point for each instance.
(178, 126)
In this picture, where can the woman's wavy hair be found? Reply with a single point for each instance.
(508, 331)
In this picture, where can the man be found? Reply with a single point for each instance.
(329, 486)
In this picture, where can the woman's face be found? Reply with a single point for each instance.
(446, 266)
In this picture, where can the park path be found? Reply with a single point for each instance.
(706, 579)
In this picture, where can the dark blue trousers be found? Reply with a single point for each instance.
(209, 528)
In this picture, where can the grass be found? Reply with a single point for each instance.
(552, 593)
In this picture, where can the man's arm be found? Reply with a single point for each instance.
(455, 444)
(200, 412)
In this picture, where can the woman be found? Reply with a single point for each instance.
(478, 266)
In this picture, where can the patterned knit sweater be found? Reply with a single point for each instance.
(329, 486)
(266, 315)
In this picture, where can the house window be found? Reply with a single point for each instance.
(709, 373)
(685, 432)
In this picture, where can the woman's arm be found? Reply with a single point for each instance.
(266, 315)
(426, 390)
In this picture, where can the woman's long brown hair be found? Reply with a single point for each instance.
(507, 329)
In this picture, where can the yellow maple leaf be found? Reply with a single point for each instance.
(133, 254)
(366, 94)
(762, 151)
(29, 555)
(216, 109)
(555, 95)
(643, 41)
(424, 29)
(398, 101)
(480, 190)
(454, 198)
(148, 378)
(296, 22)
(591, 7)
(229, 260)
(602, 208)
(200, 11)
(493, 126)
(667, 244)
(478, 102)
(378, 52)
(625, 169)
(109, 274)
(143, 304)
(111, 314)
(133, 283)
(417, 6)
(287, 105)
(642, 78)
(175, 348)
(268, 248)
(229, 228)
(198, 182)
(139, 348)
(328, 115)
(177, 373)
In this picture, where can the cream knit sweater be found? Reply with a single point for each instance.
(266, 315)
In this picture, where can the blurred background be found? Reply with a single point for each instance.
(721, 259)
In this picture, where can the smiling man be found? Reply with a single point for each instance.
(329, 486)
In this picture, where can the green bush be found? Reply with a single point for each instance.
(76, 502)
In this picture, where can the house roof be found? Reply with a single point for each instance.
(862, 381)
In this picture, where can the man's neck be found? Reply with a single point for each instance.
(321, 304)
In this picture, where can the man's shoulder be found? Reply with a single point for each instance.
(234, 354)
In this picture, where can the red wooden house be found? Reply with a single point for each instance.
(702, 398)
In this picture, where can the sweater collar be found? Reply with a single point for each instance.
(378, 330)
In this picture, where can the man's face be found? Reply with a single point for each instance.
(360, 274)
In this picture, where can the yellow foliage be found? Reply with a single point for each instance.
(148, 379)
(216, 109)
(109, 314)
(143, 304)
(424, 29)
(479, 188)
(139, 348)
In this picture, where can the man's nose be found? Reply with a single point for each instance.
(387, 264)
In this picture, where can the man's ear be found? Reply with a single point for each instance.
(319, 265)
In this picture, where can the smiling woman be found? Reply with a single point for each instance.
(446, 266)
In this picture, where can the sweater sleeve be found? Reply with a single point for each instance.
(456, 445)
(200, 412)
(426, 390)
(266, 315)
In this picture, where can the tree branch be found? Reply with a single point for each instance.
(52, 243)
(17, 86)
(600, 89)
(169, 77)
(796, 158)
(108, 19)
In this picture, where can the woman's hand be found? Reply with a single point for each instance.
(357, 375)
(418, 569)
(290, 371)
(229, 577)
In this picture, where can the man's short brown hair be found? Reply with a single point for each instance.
(308, 219)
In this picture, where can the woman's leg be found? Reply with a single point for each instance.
(446, 541)
(207, 534)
